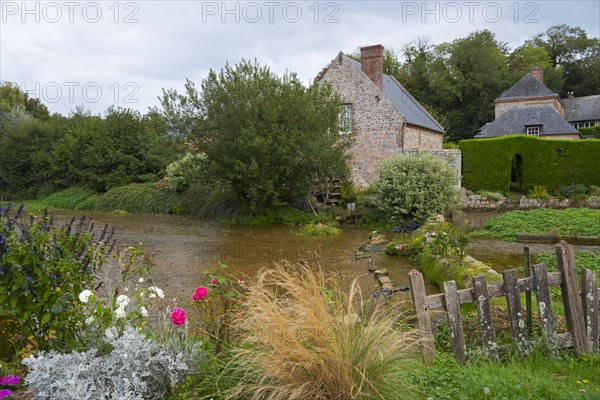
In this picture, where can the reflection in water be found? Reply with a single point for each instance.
(184, 246)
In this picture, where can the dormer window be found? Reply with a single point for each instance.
(345, 119)
(533, 131)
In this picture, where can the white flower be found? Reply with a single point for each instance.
(122, 301)
(143, 311)
(155, 291)
(110, 332)
(141, 280)
(89, 320)
(120, 312)
(84, 296)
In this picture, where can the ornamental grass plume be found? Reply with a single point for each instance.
(310, 339)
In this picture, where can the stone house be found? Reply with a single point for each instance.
(530, 108)
(382, 117)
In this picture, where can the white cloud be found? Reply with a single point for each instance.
(174, 40)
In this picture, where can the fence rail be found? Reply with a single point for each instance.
(581, 308)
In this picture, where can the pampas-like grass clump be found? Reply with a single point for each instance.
(307, 338)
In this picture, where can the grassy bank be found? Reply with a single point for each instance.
(571, 221)
(535, 377)
(145, 198)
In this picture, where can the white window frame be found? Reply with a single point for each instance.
(533, 131)
(345, 119)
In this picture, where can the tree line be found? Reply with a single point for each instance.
(458, 81)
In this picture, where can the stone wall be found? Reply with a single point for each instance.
(480, 202)
(376, 123)
(416, 137)
(504, 105)
(573, 136)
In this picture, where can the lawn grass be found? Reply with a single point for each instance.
(536, 377)
(570, 221)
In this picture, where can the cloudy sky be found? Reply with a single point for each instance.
(71, 53)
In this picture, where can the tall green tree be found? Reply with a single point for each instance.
(266, 136)
(524, 58)
(576, 54)
(101, 153)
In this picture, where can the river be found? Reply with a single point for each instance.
(183, 247)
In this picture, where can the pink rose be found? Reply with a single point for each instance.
(213, 281)
(241, 281)
(178, 316)
(200, 293)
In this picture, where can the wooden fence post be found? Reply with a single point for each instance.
(528, 293)
(590, 303)
(571, 296)
(515, 313)
(457, 336)
(484, 313)
(419, 297)
(542, 294)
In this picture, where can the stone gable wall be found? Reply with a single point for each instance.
(419, 138)
(376, 123)
(504, 105)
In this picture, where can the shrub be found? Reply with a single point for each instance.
(539, 192)
(307, 338)
(441, 250)
(573, 190)
(136, 368)
(416, 187)
(186, 171)
(43, 268)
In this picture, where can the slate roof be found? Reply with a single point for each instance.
(527, 87)
(404, 102)
(515, 122)
(585, 108)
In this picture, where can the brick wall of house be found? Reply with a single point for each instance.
(416, 137)
(376, 123)
(504, 105)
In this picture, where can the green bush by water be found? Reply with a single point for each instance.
(137, 197)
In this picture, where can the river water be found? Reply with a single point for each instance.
(183, 247)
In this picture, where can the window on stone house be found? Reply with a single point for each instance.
(533, 131)
(345, 119)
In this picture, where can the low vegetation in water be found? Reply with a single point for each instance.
(571, 221)
(318, 230)
(583, 259)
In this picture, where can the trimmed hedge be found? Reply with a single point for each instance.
(591, 131)
(546, 162)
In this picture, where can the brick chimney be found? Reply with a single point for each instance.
(538, 73)
(371, 60)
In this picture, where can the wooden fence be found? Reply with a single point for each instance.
(581, 308)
